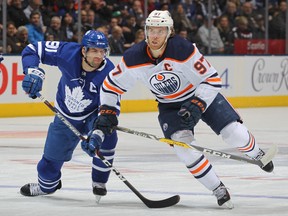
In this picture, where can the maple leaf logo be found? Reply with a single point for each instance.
(74, 100)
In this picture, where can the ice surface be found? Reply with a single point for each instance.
(150, 166)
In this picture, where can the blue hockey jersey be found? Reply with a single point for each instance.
(78, 91)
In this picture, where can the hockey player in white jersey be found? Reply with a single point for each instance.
(186, 87)
(83, 68)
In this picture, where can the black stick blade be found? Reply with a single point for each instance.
(162, 203)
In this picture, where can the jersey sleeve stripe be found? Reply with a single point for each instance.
(39, 52)
(214, 79)
(215, 85)
(114, 84)
(108, 86)
(109, 92)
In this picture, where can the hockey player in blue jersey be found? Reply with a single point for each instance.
(84, 67)
(187, 88)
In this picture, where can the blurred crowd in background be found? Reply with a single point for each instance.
(123, 21)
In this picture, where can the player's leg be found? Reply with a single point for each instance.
(59, 146)
(224, 120)
(197, 164)
(100, 172)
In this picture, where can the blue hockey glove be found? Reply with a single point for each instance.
(93, 142)
(1, 58)
(191, 112)
(107, 120)
(33, 81)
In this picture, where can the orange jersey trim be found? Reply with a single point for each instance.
(136, 66)
(213, 79)
(110, 87)
(175, 60)
(151, 57)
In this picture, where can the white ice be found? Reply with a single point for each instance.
(150, 166)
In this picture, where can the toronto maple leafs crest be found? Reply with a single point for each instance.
(74, 99)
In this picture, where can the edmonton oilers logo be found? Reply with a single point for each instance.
(165, 82)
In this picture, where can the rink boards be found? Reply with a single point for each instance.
(248, 81)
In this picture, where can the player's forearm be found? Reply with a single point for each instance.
(29, 57)
(108, 98)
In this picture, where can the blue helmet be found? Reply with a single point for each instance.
(95, 39)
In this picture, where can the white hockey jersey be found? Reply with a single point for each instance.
(181, 72)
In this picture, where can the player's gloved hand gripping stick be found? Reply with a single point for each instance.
(191, 112)
(149, 203)
(33, 81)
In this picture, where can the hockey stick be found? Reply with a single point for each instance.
(264, 161)
(149, 203)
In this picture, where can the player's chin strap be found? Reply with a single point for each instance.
(85, 59)
(263, 162)
(149, 203)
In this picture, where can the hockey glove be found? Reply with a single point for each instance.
(93, 142)
(33, 81)
(107, 120)
(191, 112)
